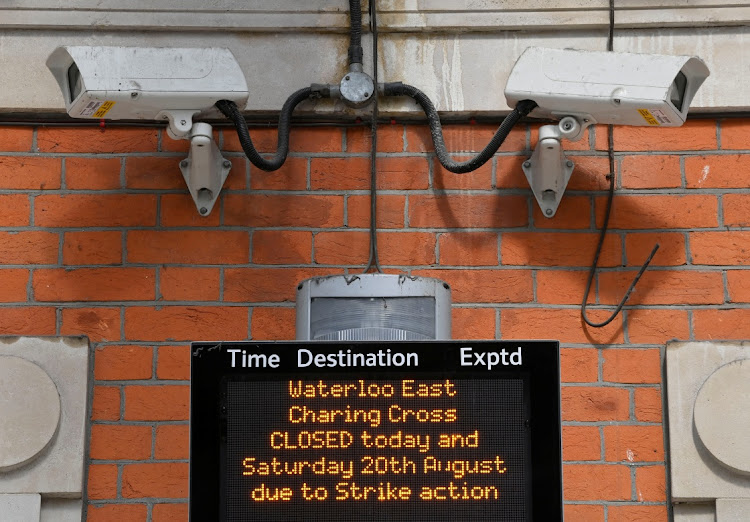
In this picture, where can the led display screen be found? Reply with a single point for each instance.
(417, 431)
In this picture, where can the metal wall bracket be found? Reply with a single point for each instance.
(548, 170)
(205, 169)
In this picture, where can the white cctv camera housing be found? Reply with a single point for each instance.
(606, 87)
(581, 88)
(145, 82)
(173, 84)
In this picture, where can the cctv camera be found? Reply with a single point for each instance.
(172, 84)
(581, 88)
(146, 83)
(606, 87)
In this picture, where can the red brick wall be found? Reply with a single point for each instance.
(99, 237)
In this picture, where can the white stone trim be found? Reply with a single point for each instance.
(457, 51)
(424, 16)
(57, 472)
(697, 475)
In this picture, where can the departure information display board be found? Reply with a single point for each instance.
(419, 431)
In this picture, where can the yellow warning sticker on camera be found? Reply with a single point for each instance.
(104, 109)
(650, 119)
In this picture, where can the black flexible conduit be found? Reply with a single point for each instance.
(355, 32)
(231, 111)
(522, 109)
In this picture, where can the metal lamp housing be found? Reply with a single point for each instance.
(367, 307)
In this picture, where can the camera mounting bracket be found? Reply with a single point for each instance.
(205, 170)
(180, 122)
(548, 170)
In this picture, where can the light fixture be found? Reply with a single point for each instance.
(369, 307)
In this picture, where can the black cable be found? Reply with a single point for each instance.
(611, 34)
(522, 109)
(231, 111)
(592, 270)
(261, 121)
(608, 211)
(374, 259)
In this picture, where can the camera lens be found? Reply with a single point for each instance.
(677, 91)
(75, 82)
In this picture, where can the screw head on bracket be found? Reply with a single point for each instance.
(570, 128)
